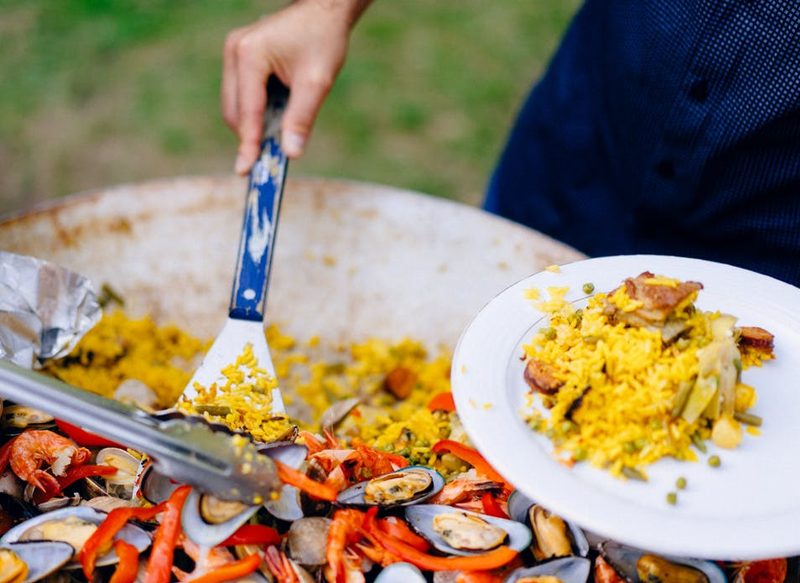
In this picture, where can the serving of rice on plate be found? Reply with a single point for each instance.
(640, 374)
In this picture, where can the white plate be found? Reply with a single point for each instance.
(746, 509)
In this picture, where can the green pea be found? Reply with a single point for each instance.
(714, 461)
(672, 498)
(680, 483)
(549, 333)
(588, 288)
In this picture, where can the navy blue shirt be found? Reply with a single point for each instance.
(666, 126)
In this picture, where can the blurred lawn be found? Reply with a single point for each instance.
(98, 92)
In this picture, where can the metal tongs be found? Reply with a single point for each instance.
(187, 449)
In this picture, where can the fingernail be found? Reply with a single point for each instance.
(241, 166)
(293, 143)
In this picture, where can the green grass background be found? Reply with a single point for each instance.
(98, 92)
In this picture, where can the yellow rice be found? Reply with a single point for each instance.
(615, 407)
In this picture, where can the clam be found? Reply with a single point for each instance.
(552, 535)
(400, 573)
(461, 532)
(306, 540)
(107, 503)
(564, 570)
(18, 418)
(399, 488)
(208, 521)
(636, 566)
(121, 483)
(39, 560)
(73, 525)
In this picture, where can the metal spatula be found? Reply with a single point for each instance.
(245, 322)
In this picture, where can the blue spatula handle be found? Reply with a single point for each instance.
(264, 192)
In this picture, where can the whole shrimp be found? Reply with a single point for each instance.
(345, 529)
(34, 448)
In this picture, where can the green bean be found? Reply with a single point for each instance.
(698, 443)
(748, 419)
(633, 474)
(217, 410)
(679, 401)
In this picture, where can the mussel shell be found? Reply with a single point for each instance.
(153, 487)
(354, 496)
(204, 533)
(567, 569)
(288, 505)
(130, 533)
(624, 559)
(286, 452)
(420, 518)
(400, 573)
(42, 557)
(519, 506)
(337, 412)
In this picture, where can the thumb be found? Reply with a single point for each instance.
(305, 100)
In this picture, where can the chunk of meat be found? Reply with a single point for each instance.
(756, 338)
(400, 382)
(658, 300)
(541, 377)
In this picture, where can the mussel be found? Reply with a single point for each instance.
(552, 535)
(639, 566)
(208, 521)
(461, 532)
(26, 562)
(564, 570)
(73, 525)
(18, 418)
(399, 488)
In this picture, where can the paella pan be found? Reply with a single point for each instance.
(381, 482)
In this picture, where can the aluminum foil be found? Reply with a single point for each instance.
(44, 309)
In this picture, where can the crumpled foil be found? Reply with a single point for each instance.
(44, 309)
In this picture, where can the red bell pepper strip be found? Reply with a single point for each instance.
(73, 475)
(253, 534)
(442, 402)
(128, 566)
(5, 454)
(485, 562)
(159, 567)
(491, 506)
(395, 527)
(302, 482)
(85, 438)
(469, 455)
(102, 538)
(231, 571)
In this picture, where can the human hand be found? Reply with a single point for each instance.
(305, 45)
